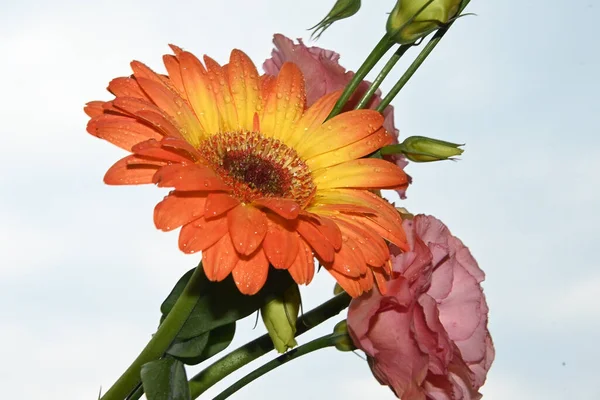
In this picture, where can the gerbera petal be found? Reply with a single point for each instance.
(126, 87)
(349, 259)
(373, 247)
(149, 113)
(199, 92)
(124, 132)
(266, 86)
(340, 131)
(250, 272)
(313, 118)
(350, 285)
(287, 208)
(316, 240)
(352, 151)
(281, 242)
(219, 259)
(200, 234)
(176, 107)
(243, 81)
(330, 230)
(174, 71)
(94, 108)
(247, 227)
(368, 173)
(131, 170)
(219, 203)
(190, 177)
(285, 104)
(381, 278)
(302, 269)
(154, 149)
(220, 87)
(177, 209)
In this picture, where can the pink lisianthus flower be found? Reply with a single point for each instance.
(427, 336)
(323, 74)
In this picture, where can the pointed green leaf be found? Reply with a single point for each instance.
(194, 351)
(165, 379)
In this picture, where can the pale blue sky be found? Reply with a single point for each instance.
(83, 269)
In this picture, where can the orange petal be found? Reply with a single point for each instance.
(219, 259)
(176, 107)
(154, 149)
(281, 243)
(302, 269)
(178, 209)
(358, 149)
(340, 131)
(368, 173)
(189, 177)
(286, 208)
(372, 246)
(285, 104)
(349, 260)
(220, 87)
(121, 131)
(199, 91)
(243, 81)
(219, 203)
(172, 66)
(313, 118)
(124, 173)
(149, 113)
(366, 281)
(250, 273)
(94, 109)
(381, 279)
(200, 234)
(126, 87)
(247, 227)
(330, 230)
(316, 240)
(350, 285)
(266, 85)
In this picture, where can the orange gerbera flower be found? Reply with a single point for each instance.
(257, 178)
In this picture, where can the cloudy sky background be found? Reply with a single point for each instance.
(83, 270)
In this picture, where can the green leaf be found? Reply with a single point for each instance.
(221, 303)
(165, 379)
(194, 351)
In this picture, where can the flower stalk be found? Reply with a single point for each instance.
(160, 341)
(317, 344)
(410, 71)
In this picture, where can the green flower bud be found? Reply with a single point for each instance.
(342, 9)
(280, 315)
(424, 149)
(342, 340)
(411, 20)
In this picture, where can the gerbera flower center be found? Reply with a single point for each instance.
(256, 166)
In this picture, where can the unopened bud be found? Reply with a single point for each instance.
(411, 20)
(280, 315)
(341, 10)
(342, 340)
(424, 149)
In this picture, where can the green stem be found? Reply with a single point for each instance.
(378, 52)
(262, 345)
(384, 72)
(417, 62)
(161, 340)
(320, 343)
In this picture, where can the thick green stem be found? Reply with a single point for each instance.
(320, 343)
(161, 340)
(417, 62)
(379, 51)
(384, 72)
(262, 345)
